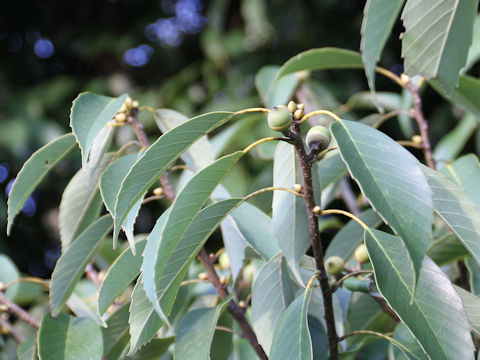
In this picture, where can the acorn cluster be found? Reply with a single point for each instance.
(280, 117)
(122, 114)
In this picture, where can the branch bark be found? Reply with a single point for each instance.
(16, 310)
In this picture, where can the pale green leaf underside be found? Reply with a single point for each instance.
(291, 340)
(436, 316)
(34, 170)
(71, 265)
(67, 338)
(390, 178)
(378, 20)
(471, 303)
(457, 210)
(272, 293)
(158, 157)
(275, 94)
(89, 114)
(437, 38)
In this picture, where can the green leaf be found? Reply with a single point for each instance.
(446, 250)
(158, 157)
(437, 38)
(235, 246)
(257, 230)
(200, 154)
(331, 169)
(154, 349)
(457, 210)
(471, 304)
(8, 274)
(291, 340)
(81, 204)
(289, 213)
(272, 293)
(99, 147)
(378, 20)
(89, 114)
(465, 172)
(110, 183)
(473, 275)
(34, 170)
(410, 349)
(115, 336)
(390, 178)
(321, 59)
(346, 240)
(195, 333)
(27, 350)
(275, 94)
(450, 146)
(120, 274)
(436, 316)
(474, 52)
(69, 338)
(72, 263)
(368, 100)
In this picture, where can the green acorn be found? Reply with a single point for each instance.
(334, 265)
(318, 136)
(279, 118)
(361, 254)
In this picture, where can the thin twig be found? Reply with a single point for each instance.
(339, 282)
(152, 198)
(16, 310)
(364, 332)
(92, 275)
(421, 122)
(19, 338)
(317, 247)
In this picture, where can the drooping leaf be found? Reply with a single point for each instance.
(195, 333)
(321, 59)
(120, 274)
(457, 210)
(471, 304)
(257, 230)
(378, 20)
(437, 38)
(89, 114)
(34, 170)
(447, 250)
(158, 157)
(275, 94)
(68, 338)
(115, 336)
(450, 146)
(366, 100)
(390, 178)
(235, 245)
(272, 293)
(200, 154)
(350, 236)
(81, 204)
(465, 172)
(291, 340)
(436, 316)
(72, 263)
(289, 215)
(78, 306)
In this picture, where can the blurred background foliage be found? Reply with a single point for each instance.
(193, 56)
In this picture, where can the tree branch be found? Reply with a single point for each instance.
(16, 310)
(19, 338)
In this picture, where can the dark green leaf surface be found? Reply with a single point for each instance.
(378, 20)
(115, 336)
(155, 348)
(289, 213)
(272, 293)
(410, 349)
(34, 170)
(457, 210)
(390, 178)
(120, 274)
(71, 265)
(158, 157)
(67, 338)
(291, 340)
(195, 333)
(89, 114)
(436, 316)
(447, 250)
(331, 169)
(437, 38)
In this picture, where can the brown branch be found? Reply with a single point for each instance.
(421, 122)
(17, 311)
(317, 248)
(19, 338)
(236, 311)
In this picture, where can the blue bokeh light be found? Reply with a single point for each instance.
(138, 56)
(30, 206)
(44, 48)
(3, 172)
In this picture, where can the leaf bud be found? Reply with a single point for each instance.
(292, 106)
(158, 191)
(121, 117)
(298, 114)
(298, 188)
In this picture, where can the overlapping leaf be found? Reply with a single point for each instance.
(465, 172)
(72, 263)
(158, 157)
(390, 178)
(437, 38)
(275, 94)
(471, 303)
(272, 293)
(457, 210)
(115, 336)
(436, 316)
(34, 170)
(89, 114)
